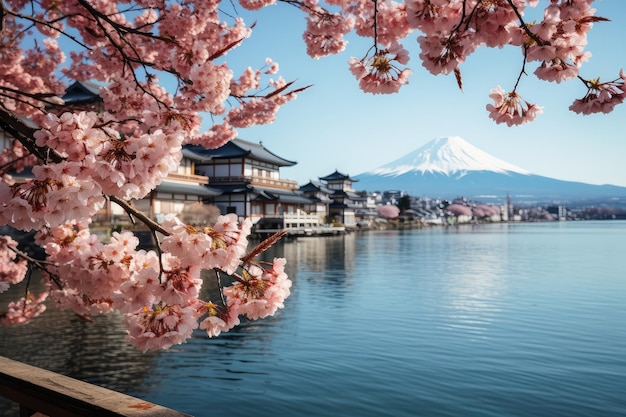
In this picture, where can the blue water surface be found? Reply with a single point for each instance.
(523, 319)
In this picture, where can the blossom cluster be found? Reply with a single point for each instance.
(159, 293)
(510, 108)
(58, 193)
(601, 97)
(377, 74)
(11, 271)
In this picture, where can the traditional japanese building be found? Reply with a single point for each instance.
(248, 176)
(82, 95)
(320, 200)
(345, 201)
(178, 191)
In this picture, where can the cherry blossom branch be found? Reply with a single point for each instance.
(29, 274)
(523, 70)
(159, 252)
(218, 278)
(47, 24)
(132, 211)
(39, 264)
(42, 97)
(2, 14)
(122, 28)
(303, 5)
(463, 20)
(238, 278)
(7, 165)
(524, 26)
(25, 134)
(375, 25)
(128, 60)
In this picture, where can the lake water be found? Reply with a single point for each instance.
(484, 320)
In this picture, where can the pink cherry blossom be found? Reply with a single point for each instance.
(324, 34)
(443, 53)
(510, 108)
(180, 285)
(556, 71)
(25, 309)
(12, 271)
(161, 327)
(219, 318)
(378, 74)
(601, 97)
(261, 292)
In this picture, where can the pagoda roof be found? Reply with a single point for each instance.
(313, 186)
(338, 176)
(82, 92)
(189, 153)
(284, 196)
(264, 193)
(239, 148)
(193, 189)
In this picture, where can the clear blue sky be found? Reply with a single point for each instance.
(334, 125)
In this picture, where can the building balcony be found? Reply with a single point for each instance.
(259, 181)
(198, 179)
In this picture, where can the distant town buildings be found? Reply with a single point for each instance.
(244, 178)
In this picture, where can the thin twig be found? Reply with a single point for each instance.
(219, 286)
(523, 70)
(41, 265)
(524, 26)
(159, 254)
(152, 225)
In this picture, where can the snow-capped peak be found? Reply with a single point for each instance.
(448, 156)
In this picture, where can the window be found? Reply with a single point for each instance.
(206, 170)
(235, 170)
(221, 171)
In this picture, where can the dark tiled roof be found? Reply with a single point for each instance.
(313, 186)
(189, 153)
(191, 189)
(337, 176)
(239, 148)
(82, 92)
(232, 188)
(348, 194)
(280, 195)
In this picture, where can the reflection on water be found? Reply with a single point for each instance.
(475, 284)
(62, 342)
(330, 259)
(492, 320)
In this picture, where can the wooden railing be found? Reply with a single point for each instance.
(200, 179)
(262, 181)
(43, 393)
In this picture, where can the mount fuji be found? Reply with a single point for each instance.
(451, 167)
